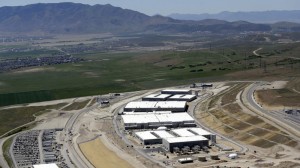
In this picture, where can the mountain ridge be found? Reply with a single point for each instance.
(76, 18)
(271, 16)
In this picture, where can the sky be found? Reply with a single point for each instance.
(166, 7)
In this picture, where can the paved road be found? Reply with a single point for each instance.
(280, 118)
(255, 52)
(78, 159)
(3, 162)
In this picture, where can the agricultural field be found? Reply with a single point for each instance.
(105, 71)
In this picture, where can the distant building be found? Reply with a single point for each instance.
(176, 91)
(152, 137)
(147, 106)
(150, 121)
(188, 132)
(183, 97)
(156, 97)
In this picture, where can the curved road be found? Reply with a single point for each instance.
(3, 162)
(274, 116)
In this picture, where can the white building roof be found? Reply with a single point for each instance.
(186, 139)
(132, 119)
(162, 96)
(187, 96)
(176, 90)
(156, 104)
(200, 131)
(183, 132)
(145, 135)
(51, 165)
(143, 113)
(157, 118)
(163, 134)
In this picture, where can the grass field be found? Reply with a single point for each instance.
(100, 156)
(120, 72)
(109, 73)
(76, 105)
(15, 117)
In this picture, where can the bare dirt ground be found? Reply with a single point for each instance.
(279, 95)
(100, 156)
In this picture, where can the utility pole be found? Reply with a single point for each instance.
(265, 66)
(260, 63)
(292, 62)
(245, 60)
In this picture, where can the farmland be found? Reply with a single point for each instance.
(117, 69)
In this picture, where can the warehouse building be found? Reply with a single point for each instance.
(181, 142)
(202, 132)
(151, 121)
(147, 138)
(176, 91)
(147, 106)
(187, 98)
(182, 132)
(156, 97)
(143, 113)
(188, 132)
(152, 137)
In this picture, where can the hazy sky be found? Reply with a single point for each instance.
(166, 7)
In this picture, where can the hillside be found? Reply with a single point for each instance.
(254, 17)
(75, 18)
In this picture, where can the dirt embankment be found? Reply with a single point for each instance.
(100, 156)
(278, 98)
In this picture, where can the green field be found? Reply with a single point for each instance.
(102, 73)
(107, 73)
(15, 117)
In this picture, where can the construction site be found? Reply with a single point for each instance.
(224, 124)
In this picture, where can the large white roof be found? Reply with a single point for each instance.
(184, 97)
(176, 90)
(143, 113)
(163, 134)
(162, 96)
(149, 135)
(147, 118)
(200, 131)
(145, 135)
(183, 132)
(156, 104)
(157, 118)
(186, 139)
(51, 165)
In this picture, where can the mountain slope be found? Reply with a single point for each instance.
(69, 17)
(79, 18)
(254, 17)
